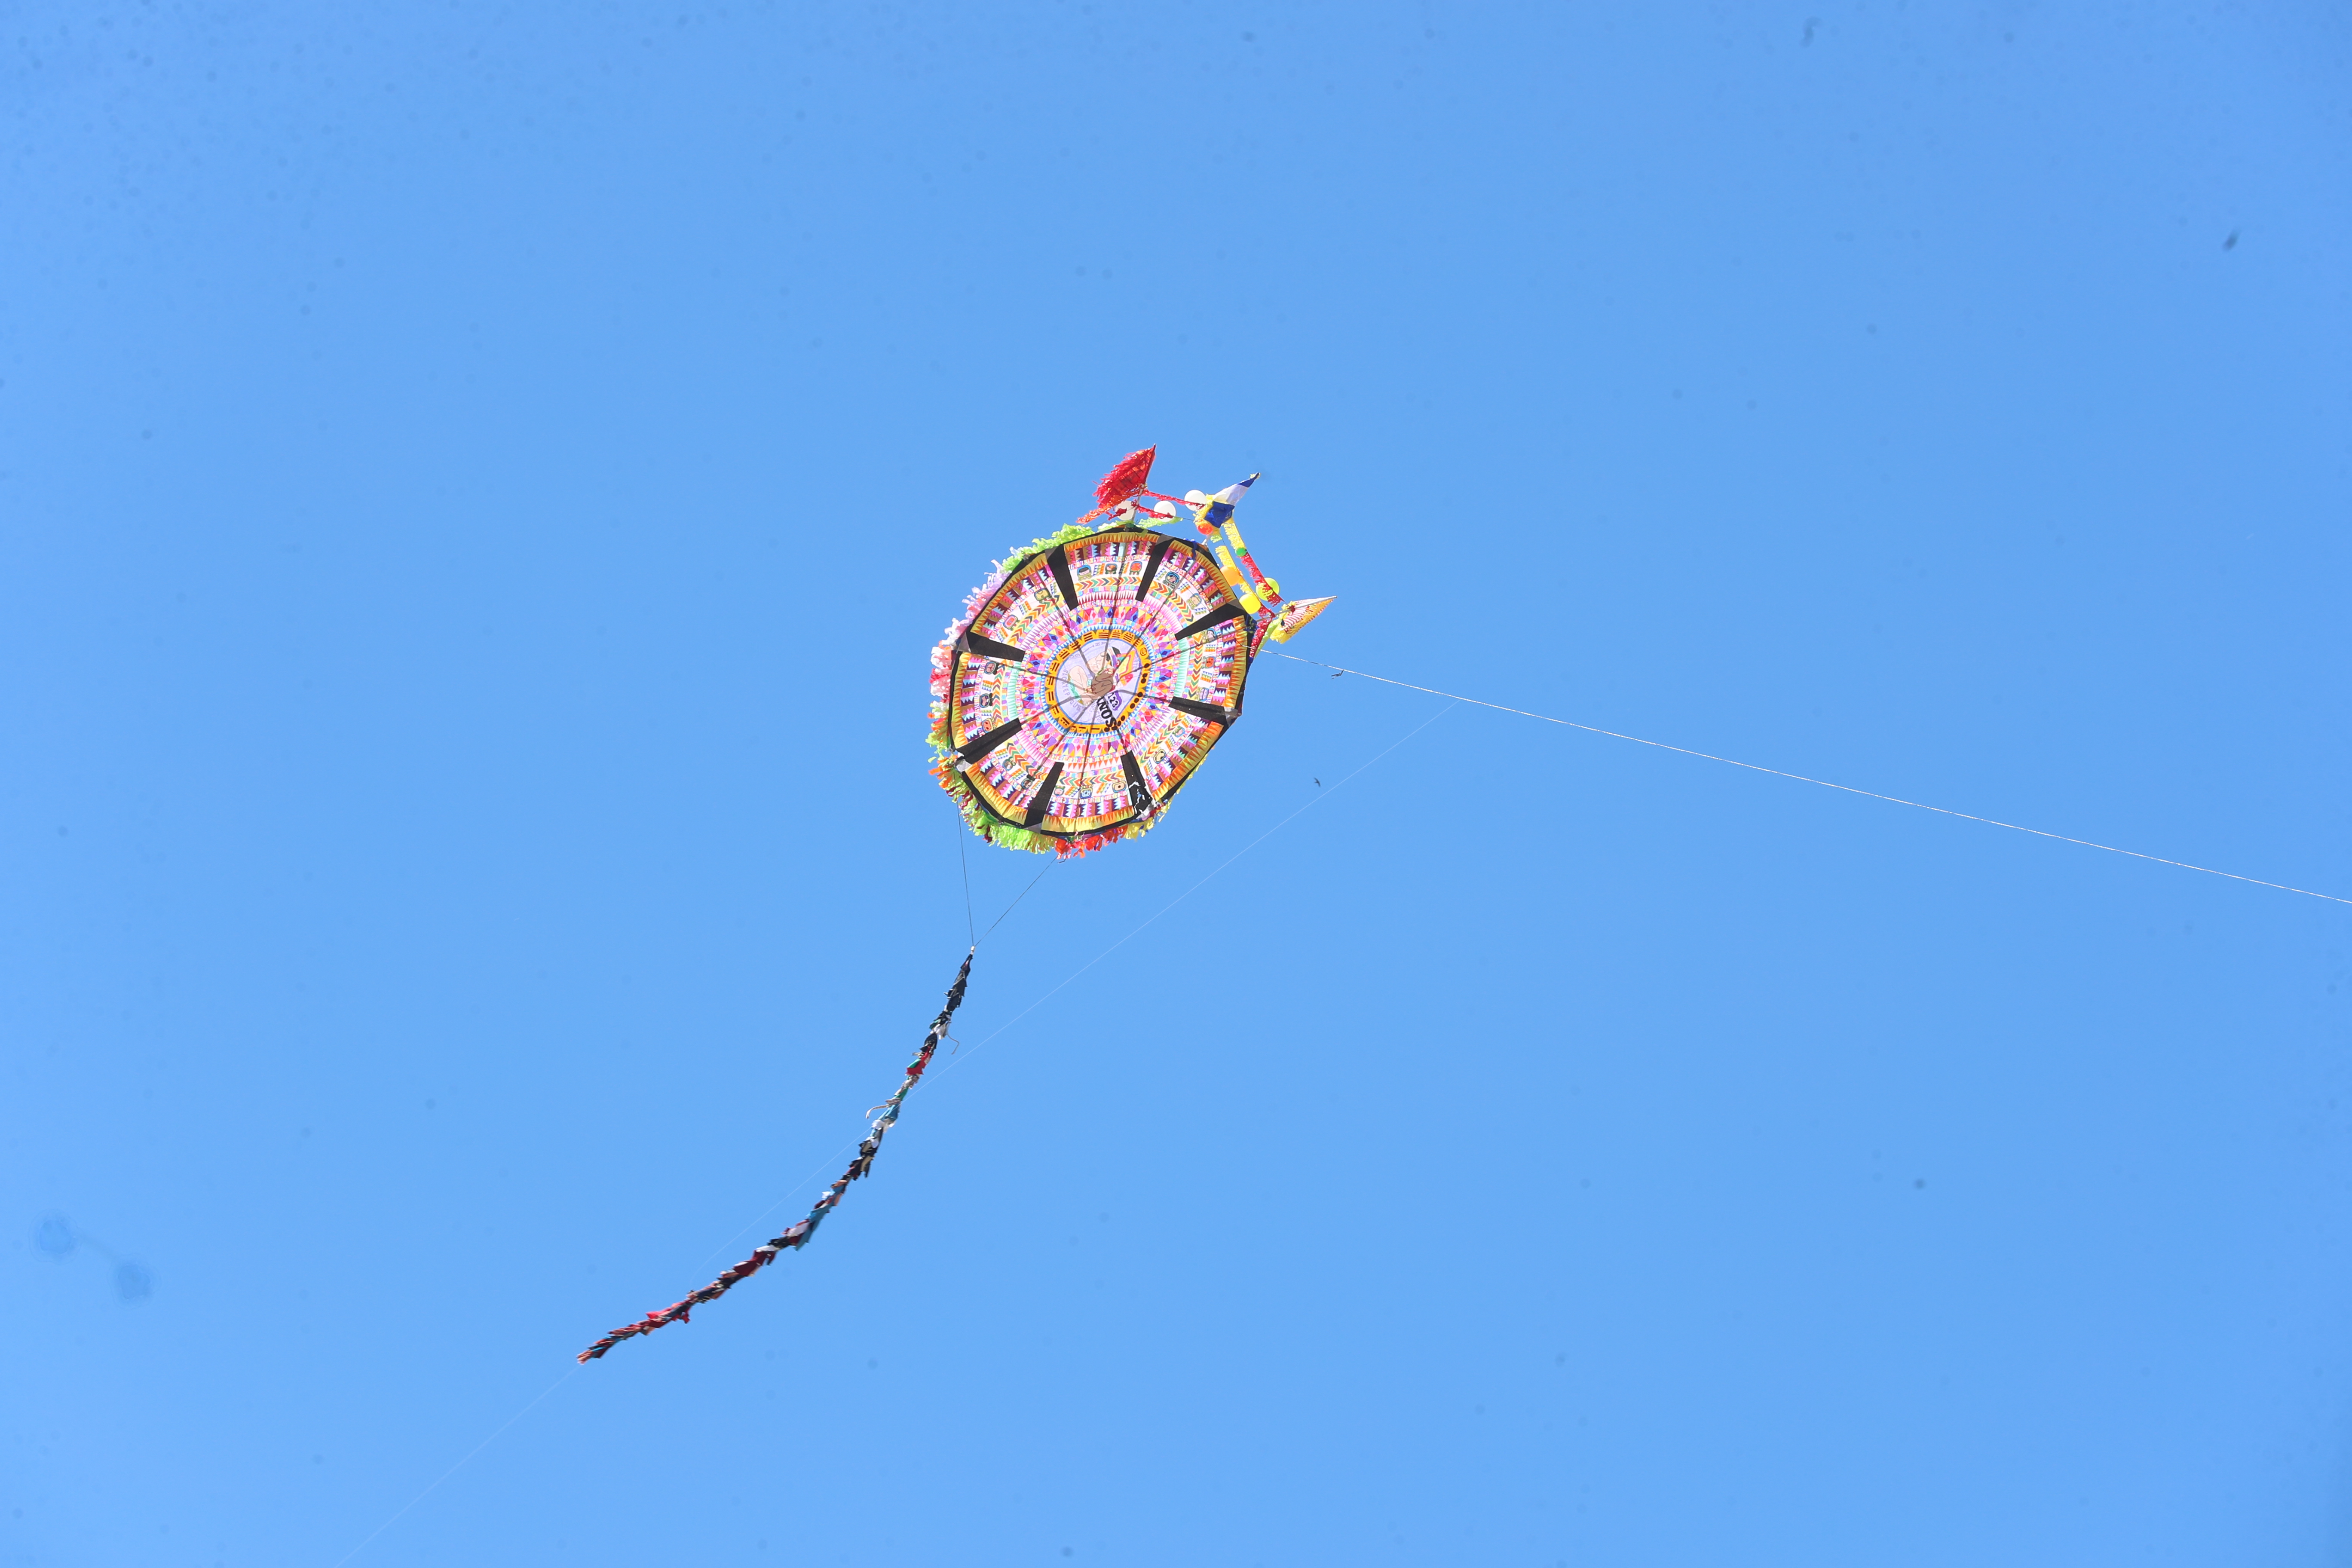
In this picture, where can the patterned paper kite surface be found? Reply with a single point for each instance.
(1089, 685)
(1088, 678)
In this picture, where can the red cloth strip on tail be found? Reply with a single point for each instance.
(797, 1234)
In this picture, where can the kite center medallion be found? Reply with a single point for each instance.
(1094, 680)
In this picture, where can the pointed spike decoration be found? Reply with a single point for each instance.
(1295, 614)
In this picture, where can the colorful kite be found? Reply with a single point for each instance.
(1092, 672)
(1085, 682)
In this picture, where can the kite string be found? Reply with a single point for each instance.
(453, 1469)
(1228, 860)
(964, 859)
(1802, 778)
(1015, 903)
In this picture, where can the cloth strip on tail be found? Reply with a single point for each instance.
(797, 1234)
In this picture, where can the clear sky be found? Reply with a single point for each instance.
(477, 485)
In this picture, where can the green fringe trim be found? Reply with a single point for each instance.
(1015, 559)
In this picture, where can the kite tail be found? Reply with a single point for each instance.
(797, 1234)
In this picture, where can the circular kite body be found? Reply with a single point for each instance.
(1087, 685)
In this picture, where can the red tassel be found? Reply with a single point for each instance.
(1133, 472)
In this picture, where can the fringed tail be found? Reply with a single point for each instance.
(797, 1234)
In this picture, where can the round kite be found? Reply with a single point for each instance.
(1092, 673)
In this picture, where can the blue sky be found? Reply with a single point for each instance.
(478, 485)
